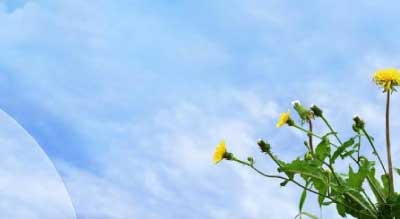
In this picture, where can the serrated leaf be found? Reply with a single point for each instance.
(307, 169)
(356, 179)
(341, 149)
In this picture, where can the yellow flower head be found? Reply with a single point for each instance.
(219, 152)
(283, 119)
(387, 78)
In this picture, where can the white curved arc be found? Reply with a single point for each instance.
(28, 177)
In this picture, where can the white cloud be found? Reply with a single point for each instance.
(97, 197)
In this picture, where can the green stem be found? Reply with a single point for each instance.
(310, 137)
(374, 149)
(373, 187)
(312, 134)
(304, 187)
(331, 129)
(369, 200)
(388, 147)
(359, 146)
(357, 161)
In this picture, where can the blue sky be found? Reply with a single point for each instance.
(128, 99)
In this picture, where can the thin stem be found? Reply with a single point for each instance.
(388, 147)
(374, 149)
(357, 161)
(369, 200)
(331, 129)
(370, 182)
(359, 146)
(310, 137)
(302, 186)
(311, 133)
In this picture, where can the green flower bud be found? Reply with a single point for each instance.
(316, 110)
(290, 122)
(355, 128)
(302, 111)
(358, 123)
(265, 147)
(228, 156)
(308, 156)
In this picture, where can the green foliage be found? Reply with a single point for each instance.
(356, 192)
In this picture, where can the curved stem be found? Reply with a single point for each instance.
(370, 182)
(357, 161)
(312, 134)
(374, 149)
(388, 147)
(302, 186)
(331, 129)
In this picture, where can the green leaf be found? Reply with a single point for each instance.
(322, 188)
(285, 182)
(397, 170)
(323, 149)
(348, 153)
(385, 182)
(356, 179)
(341, 210)
(341, 149)
(303, 199)
(305, 168)
(376, 187)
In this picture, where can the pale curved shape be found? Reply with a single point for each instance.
(30, 186)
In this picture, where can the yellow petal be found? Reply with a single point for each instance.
(219, 152)
(387, 78)
(283, 119)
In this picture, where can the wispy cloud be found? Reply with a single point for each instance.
(130, 98)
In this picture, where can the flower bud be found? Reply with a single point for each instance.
(358, 123)
(228, 156)
(308, 156)
(316, 110)
(265, 147)
(301, 110)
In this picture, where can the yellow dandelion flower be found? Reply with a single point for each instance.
(387, 78)
(283, 119)
(219, 152)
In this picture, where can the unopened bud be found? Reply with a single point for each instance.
(301, 110)
(358, 123)
(308, 156)
(316, 110)
(265, 147)
(228, 156)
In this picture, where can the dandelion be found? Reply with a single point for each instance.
(387, 78)
(220, 152)
(283, 119)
